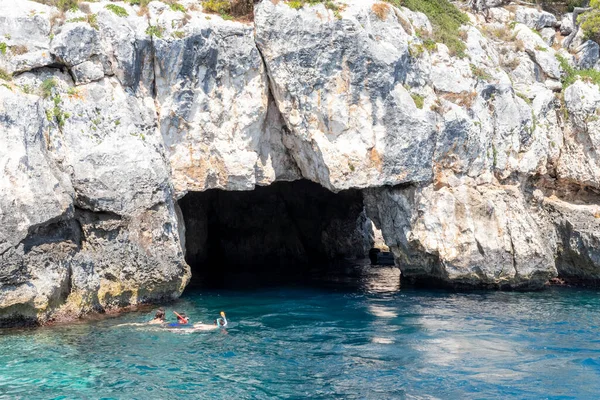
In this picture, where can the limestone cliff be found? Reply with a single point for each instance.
(480, 170)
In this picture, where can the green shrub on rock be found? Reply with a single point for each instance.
(62, 5)
(47, 86)
(177, 7)
(571, 74)
(590, 21)
(229, 8)
(155, 30)
(117, 10)
(446, 20)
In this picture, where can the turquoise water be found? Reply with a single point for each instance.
(329, 342)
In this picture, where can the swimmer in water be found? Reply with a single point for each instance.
(182, 319)
(219, 323)
(159, 317)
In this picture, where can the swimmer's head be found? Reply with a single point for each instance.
(160, 314)
(223, 314)
(182, 318)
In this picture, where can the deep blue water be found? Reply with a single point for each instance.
(331, 342)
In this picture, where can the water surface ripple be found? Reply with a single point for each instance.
(323, 343)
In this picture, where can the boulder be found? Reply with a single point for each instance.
(543, 55)
(548, 34)
(588, 55)
(566, 24)
(87, 71)
(534, 18)
(77, 42)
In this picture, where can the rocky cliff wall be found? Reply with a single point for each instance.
(480, 170)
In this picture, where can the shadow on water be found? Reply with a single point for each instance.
(358, 276)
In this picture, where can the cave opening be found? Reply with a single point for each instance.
(279, 233)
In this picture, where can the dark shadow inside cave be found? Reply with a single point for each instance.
(276, 233)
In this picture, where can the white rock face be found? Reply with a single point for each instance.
(468, 165)
(57, 257)
(579, 160)
(213, 98)
(352, 122)
(464, 235)
(578, 237)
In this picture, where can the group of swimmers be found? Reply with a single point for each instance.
(184, 321)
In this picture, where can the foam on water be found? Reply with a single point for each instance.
(323, 343)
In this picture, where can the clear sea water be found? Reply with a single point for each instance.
(322, 342)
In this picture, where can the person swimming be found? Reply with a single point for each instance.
(182, 319)
(159, 317)
(219, 323)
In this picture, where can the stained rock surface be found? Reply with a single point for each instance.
(480, 170)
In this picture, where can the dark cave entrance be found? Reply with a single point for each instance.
(271, 234)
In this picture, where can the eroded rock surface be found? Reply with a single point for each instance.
(109, 120)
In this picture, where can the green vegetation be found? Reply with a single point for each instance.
(62, 5)
(445, 18)
(117, 10)
(480, 73)
(3, 48)
(179, 34)
(91, 19)
(524, 97)
(229, 9)
(298, 4)
(47, 86)
(155, 30)
(56, 113)
(531, 129)
(177, 7)
(559, 6)
(590, 21)
(142, 3)
(418, 99)
(216, 6)
(5, 75)
(571, 74)
(430, 45)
